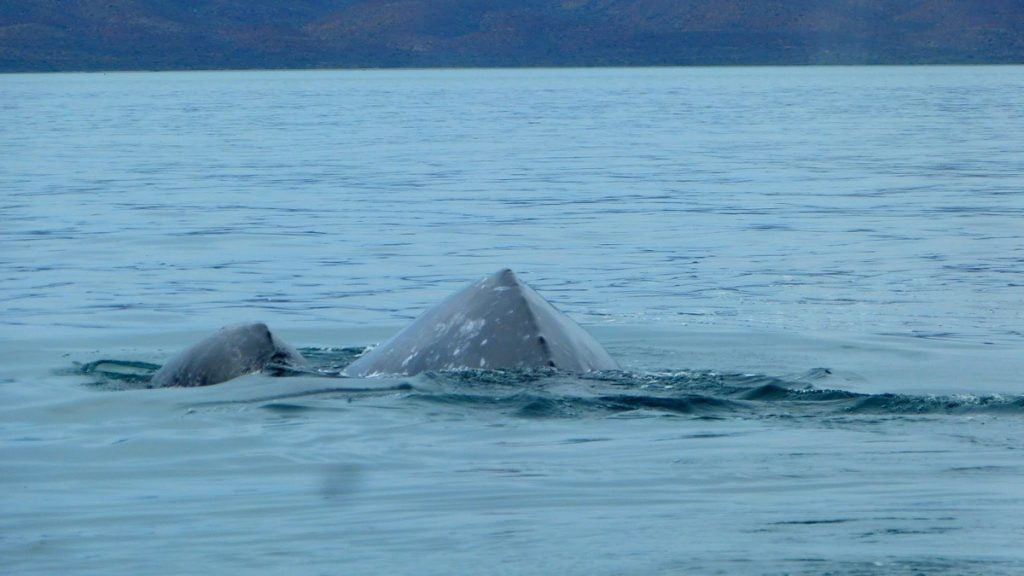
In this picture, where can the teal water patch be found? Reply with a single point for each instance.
(328, 361)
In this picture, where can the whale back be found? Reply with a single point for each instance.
(231, 352)
(495, 323)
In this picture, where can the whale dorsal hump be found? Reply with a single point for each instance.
(495, 323)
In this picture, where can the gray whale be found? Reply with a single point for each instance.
(231, 352)
(495, 323)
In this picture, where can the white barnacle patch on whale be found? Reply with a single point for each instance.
(472, 327)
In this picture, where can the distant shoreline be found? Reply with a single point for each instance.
(537, 67)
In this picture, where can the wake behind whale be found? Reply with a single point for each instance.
(550, 393)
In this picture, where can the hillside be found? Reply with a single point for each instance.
(159, 34)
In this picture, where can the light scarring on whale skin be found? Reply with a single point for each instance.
(496, 323)
(231, 352)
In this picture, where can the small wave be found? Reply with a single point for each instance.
(116, 374)
(956, 404)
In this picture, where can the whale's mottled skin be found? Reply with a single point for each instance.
(496, 323)
(231, 352)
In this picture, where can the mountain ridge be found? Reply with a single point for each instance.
(53, 35)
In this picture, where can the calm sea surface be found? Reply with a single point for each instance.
(812, 277)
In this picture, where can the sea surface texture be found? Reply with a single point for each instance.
(812, 278)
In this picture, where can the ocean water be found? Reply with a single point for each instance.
(812, 278)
